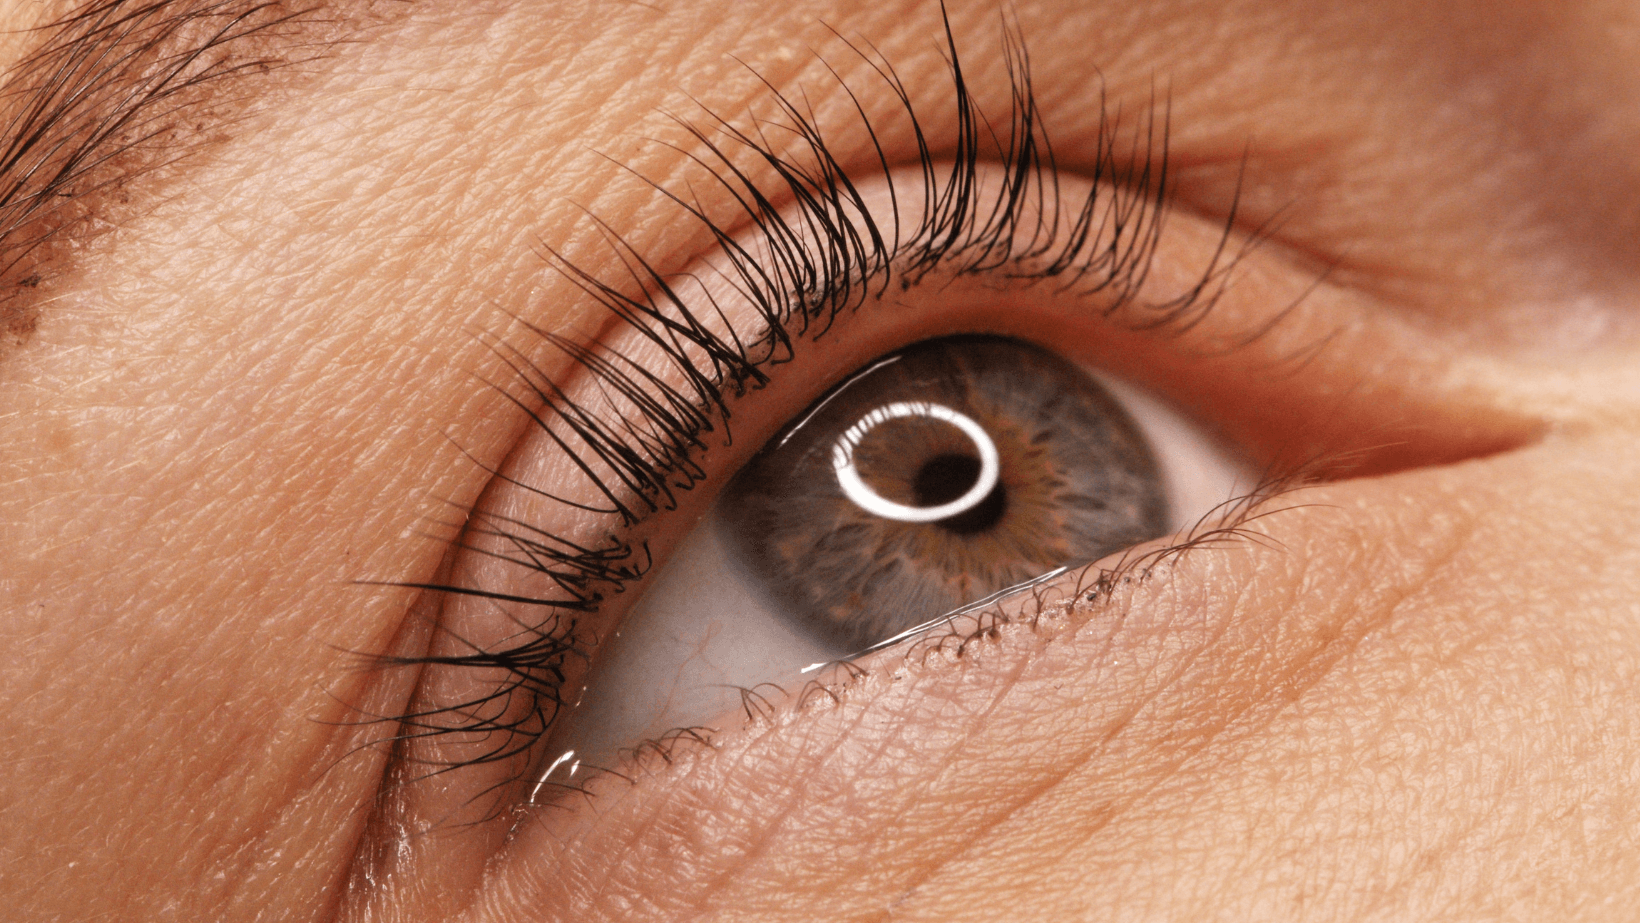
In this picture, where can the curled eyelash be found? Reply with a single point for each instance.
(802, 248)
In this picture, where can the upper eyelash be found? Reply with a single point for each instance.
(818, 258)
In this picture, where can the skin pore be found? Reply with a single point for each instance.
(264, 381)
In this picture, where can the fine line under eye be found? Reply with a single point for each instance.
(630, 437)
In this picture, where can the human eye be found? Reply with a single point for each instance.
(818, 276)
(932, 292)
(903, 504)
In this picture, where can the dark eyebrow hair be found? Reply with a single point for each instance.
(117, 89)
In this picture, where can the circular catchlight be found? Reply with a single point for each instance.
(848, 476)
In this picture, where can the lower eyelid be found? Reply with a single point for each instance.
(1201, 691)
(1098, 700)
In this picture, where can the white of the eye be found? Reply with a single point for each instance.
(856, 489)
(1198, 475)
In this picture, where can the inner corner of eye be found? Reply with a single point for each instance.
(933, 477)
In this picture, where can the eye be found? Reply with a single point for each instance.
(963, 464)
(936, 476)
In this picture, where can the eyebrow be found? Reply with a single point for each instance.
(114, 90)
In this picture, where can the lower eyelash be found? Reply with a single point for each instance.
(639, 443)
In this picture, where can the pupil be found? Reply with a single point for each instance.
(945, 478)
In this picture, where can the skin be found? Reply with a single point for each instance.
(1410, 700)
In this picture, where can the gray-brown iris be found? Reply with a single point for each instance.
(845, 558)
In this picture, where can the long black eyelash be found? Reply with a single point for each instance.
(638, 433)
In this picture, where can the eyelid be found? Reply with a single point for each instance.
(654, 395)
(1204, 360)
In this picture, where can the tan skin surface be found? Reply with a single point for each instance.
(1414, 700)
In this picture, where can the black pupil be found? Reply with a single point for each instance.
(945, 478)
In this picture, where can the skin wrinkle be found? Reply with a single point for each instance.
(1189, 755)
(1472, 635)
(1074, 763)
(1333, 653)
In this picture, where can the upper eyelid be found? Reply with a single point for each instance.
(978, 234)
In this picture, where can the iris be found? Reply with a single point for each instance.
(936, 476)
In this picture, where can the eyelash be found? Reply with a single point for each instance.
(815, 262)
